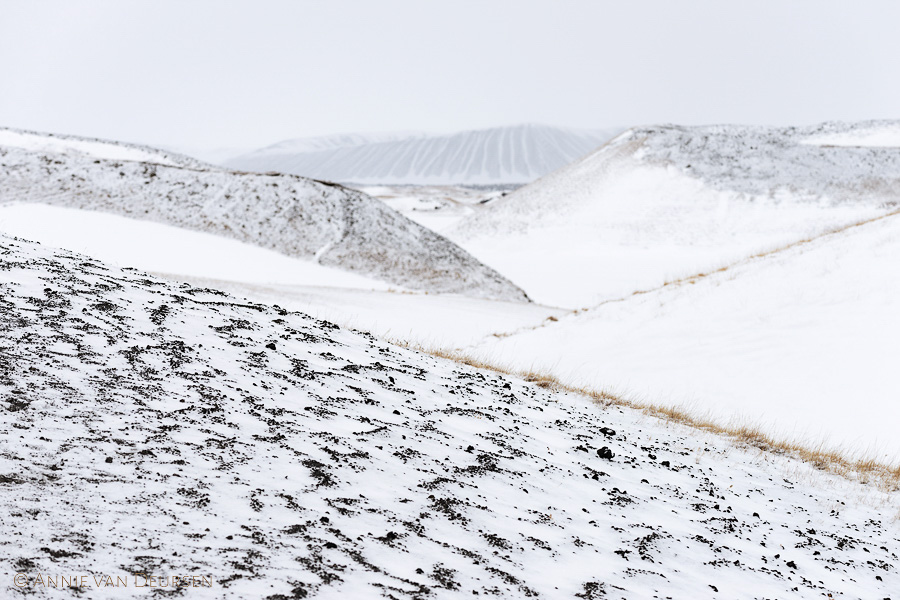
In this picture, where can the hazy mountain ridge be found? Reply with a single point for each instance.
(298, 217)
(283, 457)
(331, 142)
(517, 154)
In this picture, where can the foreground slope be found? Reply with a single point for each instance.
(802, 341)
(155, 428)
(325, 223)
(657, 203)
(516, 154)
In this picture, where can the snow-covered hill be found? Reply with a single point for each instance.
(517, 154)
(658, 203)
(153, 430)
(301, 218)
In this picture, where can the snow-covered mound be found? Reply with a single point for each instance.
(802, 342)
(874, 133)
(657, 203)
(517, 154)
(321, 222)
(89, 147)
(151, 431)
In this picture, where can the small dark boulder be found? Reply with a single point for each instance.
(606, 453)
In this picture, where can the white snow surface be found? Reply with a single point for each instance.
(297, 217)
(659, 203)
(431, 321)
(64, 144)
(437, 207)
(515, 154)
(882, 134)
(178, 252)
(163, 429)
(802, 342)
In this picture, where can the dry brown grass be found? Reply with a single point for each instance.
(864, 470)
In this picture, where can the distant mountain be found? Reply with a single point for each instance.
(518, 154)
(321, 222)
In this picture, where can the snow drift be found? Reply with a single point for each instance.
(152, 429)
(657, 203)
(517, 154)
(298, 217)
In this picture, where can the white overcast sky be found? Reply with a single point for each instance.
(209, 74)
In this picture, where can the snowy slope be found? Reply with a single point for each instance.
(89, 147)
(517, 154)
(300, 218)
(873, 134)
(178, 252)
(803, 342)
(657, 203)
(173, 431)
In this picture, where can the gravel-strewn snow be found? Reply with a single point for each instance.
(162, 429)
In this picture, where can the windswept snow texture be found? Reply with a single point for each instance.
(301, 218)
(517, 154)
(168, 430)
(658, 203)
